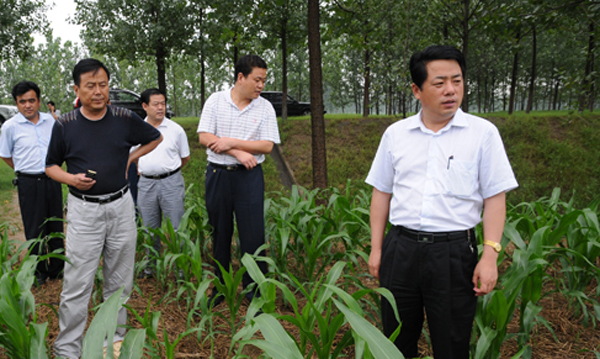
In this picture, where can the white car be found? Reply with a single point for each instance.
(7, 111)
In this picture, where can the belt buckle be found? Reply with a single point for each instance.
(231, 167)
(424, 237)
(104, 199)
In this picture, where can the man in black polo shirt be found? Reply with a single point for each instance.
(94, 141)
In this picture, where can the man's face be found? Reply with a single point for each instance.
(93, 90)
(253, 84)
(29, 105)
(442, 91)
(50, 107)
(156, 107)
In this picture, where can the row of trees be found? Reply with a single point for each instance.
(521, 55)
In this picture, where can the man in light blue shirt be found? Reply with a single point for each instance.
(23, 146)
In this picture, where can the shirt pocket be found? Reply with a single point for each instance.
(461, 178)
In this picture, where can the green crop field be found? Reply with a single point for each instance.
(318, 300)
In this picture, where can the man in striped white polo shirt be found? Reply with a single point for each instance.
(238, 127)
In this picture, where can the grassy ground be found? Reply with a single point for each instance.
(546, 150)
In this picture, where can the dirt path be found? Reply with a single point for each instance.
(12, 215)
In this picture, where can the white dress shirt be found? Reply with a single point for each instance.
(166, 157)
(438, 181)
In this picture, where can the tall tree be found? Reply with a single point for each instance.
(468, 15)
(138, 29)
(319, 154)
(18, 20)
(284, 22)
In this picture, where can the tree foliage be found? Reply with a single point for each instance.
(137, 30)
(18, 20)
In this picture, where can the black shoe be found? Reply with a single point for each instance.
(40, 279)
(216, 298)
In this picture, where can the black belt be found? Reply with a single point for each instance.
(228, 167)
(101, 199)
(32, 175)
(435, 237)
(164, 175)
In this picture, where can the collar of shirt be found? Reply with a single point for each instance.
(458, 120)
(20, 118)
(163, 123)
(230, 100)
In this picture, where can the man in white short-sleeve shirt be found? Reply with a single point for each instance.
(238, 128)
(433, 175)
(161, 189)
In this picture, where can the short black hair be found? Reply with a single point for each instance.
(145, 96)
(25, 86)
(419, 61)
(51, 103)
(88, 65)
(246, 63)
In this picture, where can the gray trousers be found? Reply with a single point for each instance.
(92, 230)
(159, 199)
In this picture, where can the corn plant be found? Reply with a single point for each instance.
(149, 322)
(318, 321)
(229, 290)
(577, 255)
(7, 250)
(303, 231)
(20, 335)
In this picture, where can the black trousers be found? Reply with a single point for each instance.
(436, 277)
(40, 199)
(240, 192)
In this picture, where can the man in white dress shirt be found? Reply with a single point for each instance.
(161, 189)
(432, 176)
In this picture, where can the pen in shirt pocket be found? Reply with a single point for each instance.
(449, 158)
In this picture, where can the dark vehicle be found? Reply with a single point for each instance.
(132, 101)
(7, 111)
(294, 108)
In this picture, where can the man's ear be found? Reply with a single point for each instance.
(145, 106)
(76, 89)
(416, 91)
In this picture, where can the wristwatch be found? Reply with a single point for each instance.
(497, 246)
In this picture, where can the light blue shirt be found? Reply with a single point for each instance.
(26, 143)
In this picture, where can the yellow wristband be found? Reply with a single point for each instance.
(497, 246)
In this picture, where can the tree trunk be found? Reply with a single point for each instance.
(319, 155)
(555, 101)
(550, 86)
(586, 83)
(592, 47)
(160, 66)
(284, 68)
(367, 65)
(533, 70)
(478, 94)
(202, 80)
(465, 51)
(513, 79)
